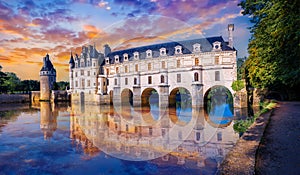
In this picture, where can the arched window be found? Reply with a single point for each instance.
(162, 79)
(196, 76)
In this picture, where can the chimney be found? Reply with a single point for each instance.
(230, 35)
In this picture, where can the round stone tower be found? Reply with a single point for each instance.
(47, 79)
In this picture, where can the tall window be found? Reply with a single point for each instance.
(82, 72)
(82, 83)
(196, 61)
(178, 63)
(89, 73)
(216, 59)
(126, 81)
(163, 64)
(178, 78)
(149, 66)
(126, 69)
(149, 80)
(135, 81)
(136, 67)
(76, 83)
(217, 75)
(116, 81)
(162, 79)
(107, 81)
(107, 71)
(117, 70)
(75, 74)
(196, 76)
(88, 83)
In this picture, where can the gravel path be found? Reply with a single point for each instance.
(279, 151)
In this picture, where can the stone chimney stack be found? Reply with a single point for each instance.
(230, 35)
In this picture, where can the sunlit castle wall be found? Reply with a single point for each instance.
(196, 65)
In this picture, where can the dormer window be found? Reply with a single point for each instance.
(107, 60)
(163, 52)
(149, 53)
(116, 58)
(197, 47)
(136, 55)
(217, 46)
(178, 49)
(125, 56)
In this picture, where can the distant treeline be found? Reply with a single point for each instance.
(11, 83)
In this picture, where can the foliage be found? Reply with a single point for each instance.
(241, 126)
(274, 49)
(62, 85)
(238, 85)
(12, 81)
(29, 85)
(3, 78)
(241, 68)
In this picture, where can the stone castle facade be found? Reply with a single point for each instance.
(196, 65)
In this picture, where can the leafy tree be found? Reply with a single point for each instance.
(238, 85)
(12, 81)
(29, 85)
(3, 78)
(274, 49)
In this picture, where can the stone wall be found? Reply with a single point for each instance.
(14, 98)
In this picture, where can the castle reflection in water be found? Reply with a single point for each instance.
(189, 136)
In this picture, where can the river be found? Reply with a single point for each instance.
(47, 138)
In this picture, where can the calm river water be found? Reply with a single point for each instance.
(75, 139)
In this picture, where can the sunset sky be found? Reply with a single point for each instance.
(30, 29)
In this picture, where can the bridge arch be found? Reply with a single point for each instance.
(180, 105)
(218, 106)
(150, 104)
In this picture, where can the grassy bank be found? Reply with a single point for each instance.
(241, 126)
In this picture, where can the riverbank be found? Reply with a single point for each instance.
(241, 159)
(14, 98)
(279, 150)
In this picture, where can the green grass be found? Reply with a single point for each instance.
(241, 126)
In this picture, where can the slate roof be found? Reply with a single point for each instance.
(48, 66)
(187, 48)
(72, 62)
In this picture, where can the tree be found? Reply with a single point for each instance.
(12, 81)
(274, 49)
(3, 78)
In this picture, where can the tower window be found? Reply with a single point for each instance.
(149, 66)
(217, 75)
(107, 71)
(126, 69)
(126, 81)
(162, 79)
(216, 59)
(163, 64)
(178, 78)
(196, 76)
(117, 70)
(135, 81)
(196, 61)
(178, 63)
(149, 80)
(136, 67)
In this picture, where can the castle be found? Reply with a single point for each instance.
(196, 65)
